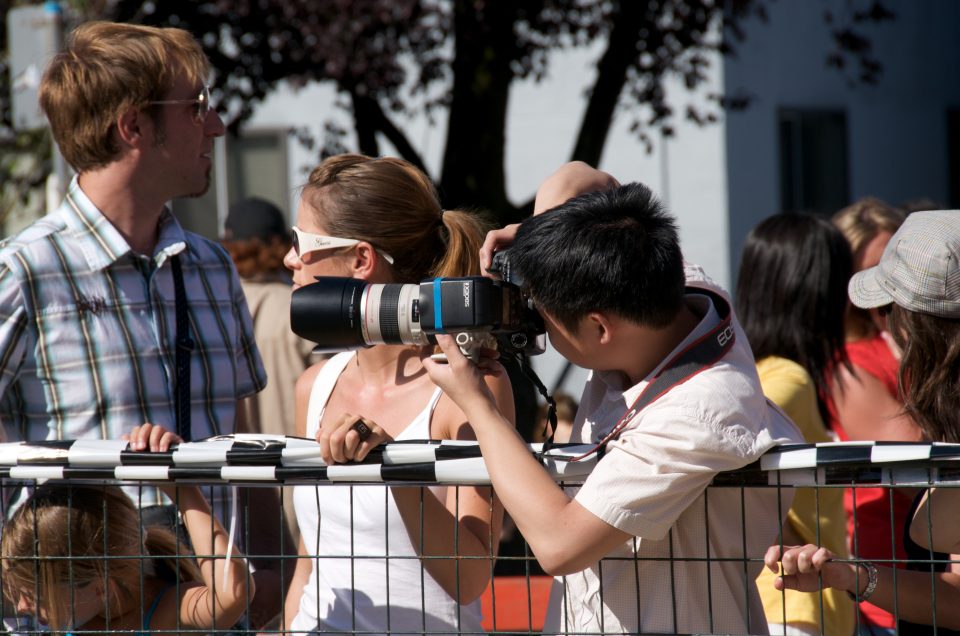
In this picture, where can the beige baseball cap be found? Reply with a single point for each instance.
(919, 269)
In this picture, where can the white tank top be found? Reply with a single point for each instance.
(384, 587)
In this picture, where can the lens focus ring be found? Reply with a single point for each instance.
(389, 323)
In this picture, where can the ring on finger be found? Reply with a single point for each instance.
(362, 430)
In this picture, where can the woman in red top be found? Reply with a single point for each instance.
(918, 282)
(865, 404)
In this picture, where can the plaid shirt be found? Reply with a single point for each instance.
(87, 329)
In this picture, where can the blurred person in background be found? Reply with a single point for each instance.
(917, 284)
(257, 236)
(864, 403)
(791, 295)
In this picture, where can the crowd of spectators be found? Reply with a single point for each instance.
(115, 323)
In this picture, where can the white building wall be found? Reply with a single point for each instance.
(896, 130)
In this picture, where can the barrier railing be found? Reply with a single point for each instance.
(516, 599)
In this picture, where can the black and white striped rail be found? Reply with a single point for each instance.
(292, 460)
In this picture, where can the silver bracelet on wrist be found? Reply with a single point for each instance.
(871, 582)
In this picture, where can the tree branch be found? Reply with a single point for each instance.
(620, 53)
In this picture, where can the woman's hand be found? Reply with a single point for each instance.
(805, 566)
(349, 439)
(152, 438)
(461, 379)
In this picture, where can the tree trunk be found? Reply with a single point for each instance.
(365, 123)
(376, 120)
(473, 162)
(612, 68)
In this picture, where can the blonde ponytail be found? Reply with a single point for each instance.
(463, 233)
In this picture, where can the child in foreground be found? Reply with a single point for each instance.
(77, 558)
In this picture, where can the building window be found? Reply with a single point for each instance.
(256, 165)
(813, 160)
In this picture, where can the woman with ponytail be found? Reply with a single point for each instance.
(376, 559)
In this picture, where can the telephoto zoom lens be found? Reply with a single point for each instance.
(347, 313)
(328, 312)
(390, 314)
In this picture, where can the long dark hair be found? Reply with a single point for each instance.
(792, 291)
(929, 371)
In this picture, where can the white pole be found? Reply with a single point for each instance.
(222, 191)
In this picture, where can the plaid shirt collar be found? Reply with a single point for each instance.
(101, 242)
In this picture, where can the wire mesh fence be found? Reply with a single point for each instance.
(81, 557)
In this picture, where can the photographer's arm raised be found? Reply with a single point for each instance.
(564, 536)
(570, 180)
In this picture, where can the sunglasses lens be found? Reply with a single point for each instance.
(203, 103)
(295, 238)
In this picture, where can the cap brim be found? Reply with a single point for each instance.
(865, 290)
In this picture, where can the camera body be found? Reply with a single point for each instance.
(500, 265)
(346, 313)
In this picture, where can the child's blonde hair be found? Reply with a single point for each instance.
(63, 535)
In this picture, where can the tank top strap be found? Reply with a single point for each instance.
(422, 424)
(323, 387)
(149, 615)
(434, 399)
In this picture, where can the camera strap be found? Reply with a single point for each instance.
(698, 356)
(184, 347)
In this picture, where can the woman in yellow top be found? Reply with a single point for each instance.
(791, 295)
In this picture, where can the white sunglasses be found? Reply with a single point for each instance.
(305, 242)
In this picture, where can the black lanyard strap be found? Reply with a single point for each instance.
(184, 347)
(698, 356)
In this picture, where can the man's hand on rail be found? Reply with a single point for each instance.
(151, 437)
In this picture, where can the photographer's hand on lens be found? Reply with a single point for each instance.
(461, 379)
(471, 344)
(151, 437)
(350, 438)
